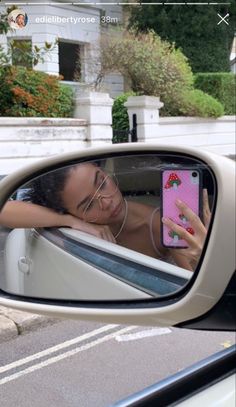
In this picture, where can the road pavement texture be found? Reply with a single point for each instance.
(14, 323)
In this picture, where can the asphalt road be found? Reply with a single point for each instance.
(79, 364)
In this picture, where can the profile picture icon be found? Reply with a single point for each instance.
(17, 19)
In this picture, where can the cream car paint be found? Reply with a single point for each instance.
(49, 263)
(216, 268)
(221, 394)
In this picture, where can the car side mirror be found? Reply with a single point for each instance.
(129, 226)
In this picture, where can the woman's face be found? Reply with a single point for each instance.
(92, 195)
(20, 20)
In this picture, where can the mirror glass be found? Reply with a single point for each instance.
(120, 227)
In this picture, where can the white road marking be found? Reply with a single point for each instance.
(64, 355)
(143, 334)
(56, 348)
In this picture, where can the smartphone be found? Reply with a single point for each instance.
(186, 185)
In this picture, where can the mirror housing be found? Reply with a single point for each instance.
(206, 287)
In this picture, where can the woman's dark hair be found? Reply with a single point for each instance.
(46, 190)
(19, 16)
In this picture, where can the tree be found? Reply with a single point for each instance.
(194, 29)
(156, 68)
(151, 66)
(4, 26)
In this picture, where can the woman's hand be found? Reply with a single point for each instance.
(194, 238)
(101, 231)
(206, 209)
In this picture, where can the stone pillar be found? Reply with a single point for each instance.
(146, 109)
(96, 109)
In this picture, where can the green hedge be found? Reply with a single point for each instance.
(193, 102)
(28, 93)
(199, 104)
(221, 86)
(120, 118)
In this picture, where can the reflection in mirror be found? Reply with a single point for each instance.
(123, 227)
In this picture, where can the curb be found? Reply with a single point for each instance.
(14, 323)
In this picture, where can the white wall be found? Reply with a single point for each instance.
(233, 56)
(216, 135)
(113, 84)
(25, 140)
(233, 65)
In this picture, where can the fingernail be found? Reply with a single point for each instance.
(164, 220)
(178, 201)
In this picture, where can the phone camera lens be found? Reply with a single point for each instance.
(194, 174)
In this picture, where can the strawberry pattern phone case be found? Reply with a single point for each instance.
(183, 184)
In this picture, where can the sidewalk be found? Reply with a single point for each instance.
(14, 323)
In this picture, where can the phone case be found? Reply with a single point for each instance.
(184, 184)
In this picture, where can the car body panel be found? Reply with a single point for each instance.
(208, 382)
(38, 266)
(221, 394)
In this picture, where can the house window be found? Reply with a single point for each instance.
(21, 53)
(69, 60)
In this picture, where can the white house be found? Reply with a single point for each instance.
(233, 56)
(77, 27)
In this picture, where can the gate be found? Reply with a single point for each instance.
(126, 136)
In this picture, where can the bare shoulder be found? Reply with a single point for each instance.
(148, 215)
(143, 210)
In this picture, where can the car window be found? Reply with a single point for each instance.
(116, 205)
